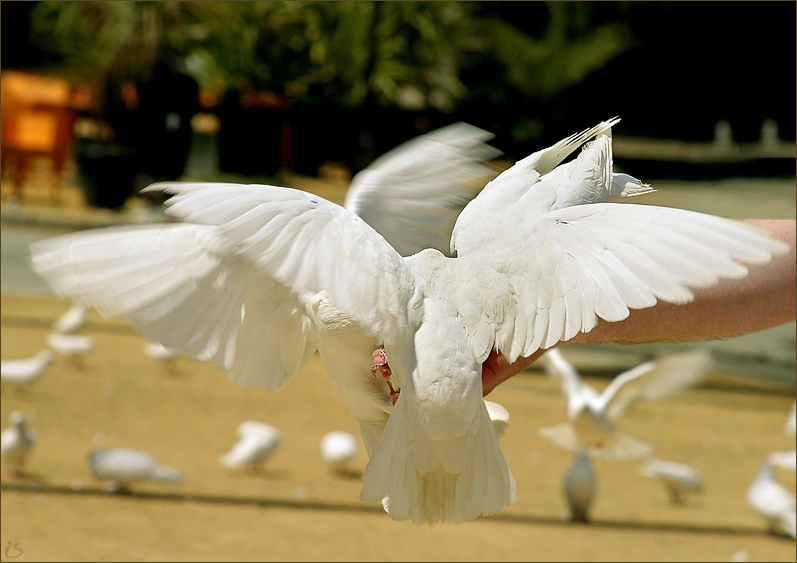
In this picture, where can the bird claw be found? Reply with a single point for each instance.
(380, 365)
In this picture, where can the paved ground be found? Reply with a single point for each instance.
(187, 413)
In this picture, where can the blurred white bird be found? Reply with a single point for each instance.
(21, 372)
(499, 416)
(257, 443)
(121, 467)
(16, 444)
(579, 487)
(772, 501)
(159, 352)
(679, 479)
(338, 449)
(591, 414)
(74, 319)
(73, 345)
(413, 194)
(790, 428)
(245, 257)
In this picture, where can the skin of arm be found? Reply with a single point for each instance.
(765, 298)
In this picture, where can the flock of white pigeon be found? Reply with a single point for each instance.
(120, 467)
(439, 273)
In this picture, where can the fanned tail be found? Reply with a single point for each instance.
(437, 481)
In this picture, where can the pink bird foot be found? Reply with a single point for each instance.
(380, 364)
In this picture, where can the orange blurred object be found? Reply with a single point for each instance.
(37, 122)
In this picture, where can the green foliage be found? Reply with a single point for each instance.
(406, 54)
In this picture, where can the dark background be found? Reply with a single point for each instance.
(691, 65)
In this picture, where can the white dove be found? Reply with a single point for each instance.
(121, 467)
(23, 371)
(338, 449)
(591, 414)
(244, 257)
(257, 442)
(16, 444)
(579, 487)
(74, 319)
(772, 501)
(679, 479)
(74, 345)
(159, 352)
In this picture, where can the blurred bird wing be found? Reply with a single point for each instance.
(211, 287)
(654, 380)
(413, 194)
(508, 189)
(569, 267)
(573, 387)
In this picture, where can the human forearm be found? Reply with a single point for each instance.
(766, 297)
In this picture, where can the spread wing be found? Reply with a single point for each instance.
(227, 284)
(569, 267)
(413, 194)
(654, 380)
(486, 214)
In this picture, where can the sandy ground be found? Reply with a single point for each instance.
(186, 413)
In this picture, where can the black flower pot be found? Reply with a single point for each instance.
(106, 172)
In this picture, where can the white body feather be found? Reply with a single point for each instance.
(241, 280)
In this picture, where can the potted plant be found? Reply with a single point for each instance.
(130, 56)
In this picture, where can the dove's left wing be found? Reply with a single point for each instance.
(655, 380)
(566, 268)
(413, 194)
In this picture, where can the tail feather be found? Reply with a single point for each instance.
(433, 481)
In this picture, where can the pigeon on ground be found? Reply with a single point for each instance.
(591, 414)
(73, 345)
(338, 449)
(579, 487)
(159, 352)
(21, 372)
(241, 257)
(71, 321)
(16, 444)
(121, 467)
(772, 501)
(679, 479)
(257, 443)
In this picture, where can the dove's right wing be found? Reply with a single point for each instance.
(228, 285)
(413, 194)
